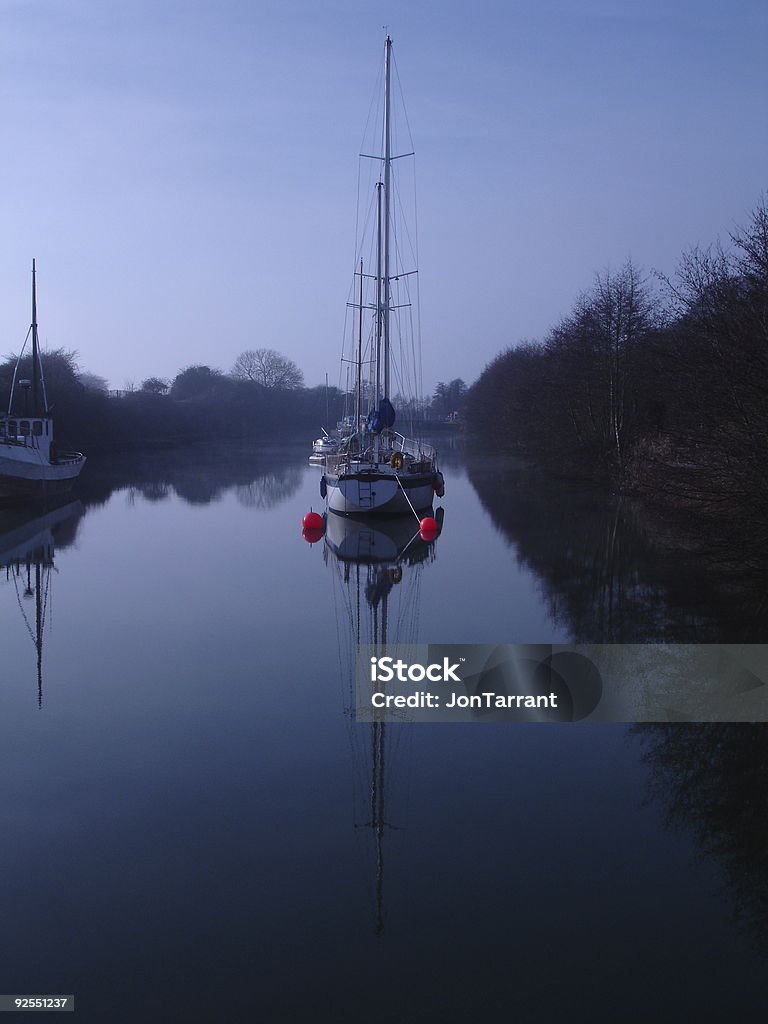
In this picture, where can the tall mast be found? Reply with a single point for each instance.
(387, 178)
(35, 352)
(359, 378)
(380, 296)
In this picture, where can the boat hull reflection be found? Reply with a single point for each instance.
(375, 542)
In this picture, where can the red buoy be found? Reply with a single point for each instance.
(312, 521)
(428, 528)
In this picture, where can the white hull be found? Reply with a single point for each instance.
(378, 493)
(25, 473)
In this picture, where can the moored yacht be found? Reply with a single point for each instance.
(377, 470)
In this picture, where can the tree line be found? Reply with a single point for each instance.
(263, 393)
(655, 385)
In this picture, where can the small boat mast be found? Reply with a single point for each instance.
(39, 397)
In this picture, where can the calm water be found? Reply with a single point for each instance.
(195, 828)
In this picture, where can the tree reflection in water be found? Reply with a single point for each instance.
(711, 778)
(610, 572)
(261, 478)
(271, 489)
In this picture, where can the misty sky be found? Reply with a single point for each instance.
(185, 173)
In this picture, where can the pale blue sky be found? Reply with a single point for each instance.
(185, 172)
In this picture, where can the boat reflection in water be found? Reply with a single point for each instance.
(377, 567)
(27, 548)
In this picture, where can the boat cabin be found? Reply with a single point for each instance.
(28, 431)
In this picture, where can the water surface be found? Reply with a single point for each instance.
(194, 826)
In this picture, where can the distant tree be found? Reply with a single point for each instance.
(270, 369)
(591, 390)
(409, 409)
(196, 382)
(448, 399)
(155, 386)
(93, 382)
(719, 346)
(504, 404)
(60, 370)
(608, 325)
(751, 243)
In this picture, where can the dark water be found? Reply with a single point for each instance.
(195, 828)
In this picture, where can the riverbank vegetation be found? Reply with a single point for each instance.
(262, 396)
(200, 403)
(656, 386)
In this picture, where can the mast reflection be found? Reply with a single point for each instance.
(27, 547)
(377, 567)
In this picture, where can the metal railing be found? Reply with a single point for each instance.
(65, 458)
(419, 449)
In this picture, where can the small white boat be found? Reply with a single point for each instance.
(30, 464)
(325, 445)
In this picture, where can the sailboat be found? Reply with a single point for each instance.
(30, 464)
(376, 469)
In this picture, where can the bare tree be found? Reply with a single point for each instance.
(613, 319)
(752, 245)
(270, 369)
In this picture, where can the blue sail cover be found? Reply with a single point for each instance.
(382, 418)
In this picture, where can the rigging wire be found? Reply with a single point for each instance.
(419, 356)
(406, 358)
